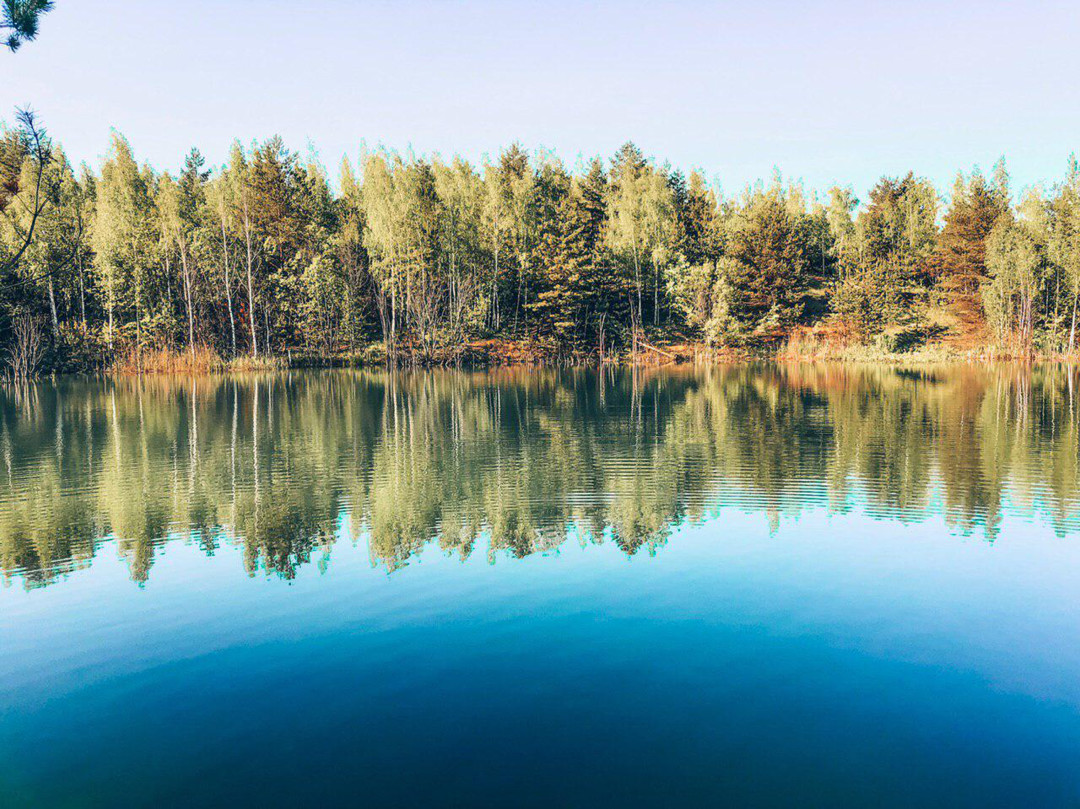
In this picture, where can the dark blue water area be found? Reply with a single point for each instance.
(834, 661)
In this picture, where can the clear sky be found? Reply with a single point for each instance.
(826, 91)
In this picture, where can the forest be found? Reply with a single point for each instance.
(270, 259)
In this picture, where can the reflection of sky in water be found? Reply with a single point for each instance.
(857, 657)
(808, 614)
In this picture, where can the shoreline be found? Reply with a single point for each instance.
(519, 355)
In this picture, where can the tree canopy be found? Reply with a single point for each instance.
(433, 260)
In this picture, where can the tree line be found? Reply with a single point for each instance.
(420, 260)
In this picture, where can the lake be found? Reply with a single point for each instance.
(751, 585)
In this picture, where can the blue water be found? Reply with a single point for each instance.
(769, 643)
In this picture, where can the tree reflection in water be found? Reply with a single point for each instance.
(514, 461)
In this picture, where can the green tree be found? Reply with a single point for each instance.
(276, 225)
(627, 233)
(124, 237)
(1015, 264)
(239, 174)
(959, 261)
(20, 19)
(461, 195)
(221, 193)
(47, 271)
(769, 263)
(883, 262)
(1064, 244)
(352, 256)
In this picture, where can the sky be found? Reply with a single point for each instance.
(826, 92)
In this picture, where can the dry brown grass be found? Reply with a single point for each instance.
(822, 342)
(201, 359)
(837, 342)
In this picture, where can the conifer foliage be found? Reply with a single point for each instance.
(416, 259)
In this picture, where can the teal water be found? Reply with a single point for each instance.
(745, 586)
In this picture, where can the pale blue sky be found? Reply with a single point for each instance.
(826, 91)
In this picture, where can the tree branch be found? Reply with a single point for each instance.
(38, 145)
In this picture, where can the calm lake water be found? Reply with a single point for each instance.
(747, 586)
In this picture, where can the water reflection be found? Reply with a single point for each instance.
(514, 462)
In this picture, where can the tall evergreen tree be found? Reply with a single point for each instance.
(960, 259)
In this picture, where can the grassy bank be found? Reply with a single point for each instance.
(825, 344)
(199, 360)
(805, 346)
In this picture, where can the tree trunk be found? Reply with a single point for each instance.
(1072, 327)
(187, 300)
(228, 286)
(52, 308)
(138, 310)
(250, 282)
(82, 290)
(112, 304)
(393, 322)
(656, 294)
(495, 288)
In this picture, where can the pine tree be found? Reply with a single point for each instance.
(20, 18)
(959, 262)
(769, 264)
